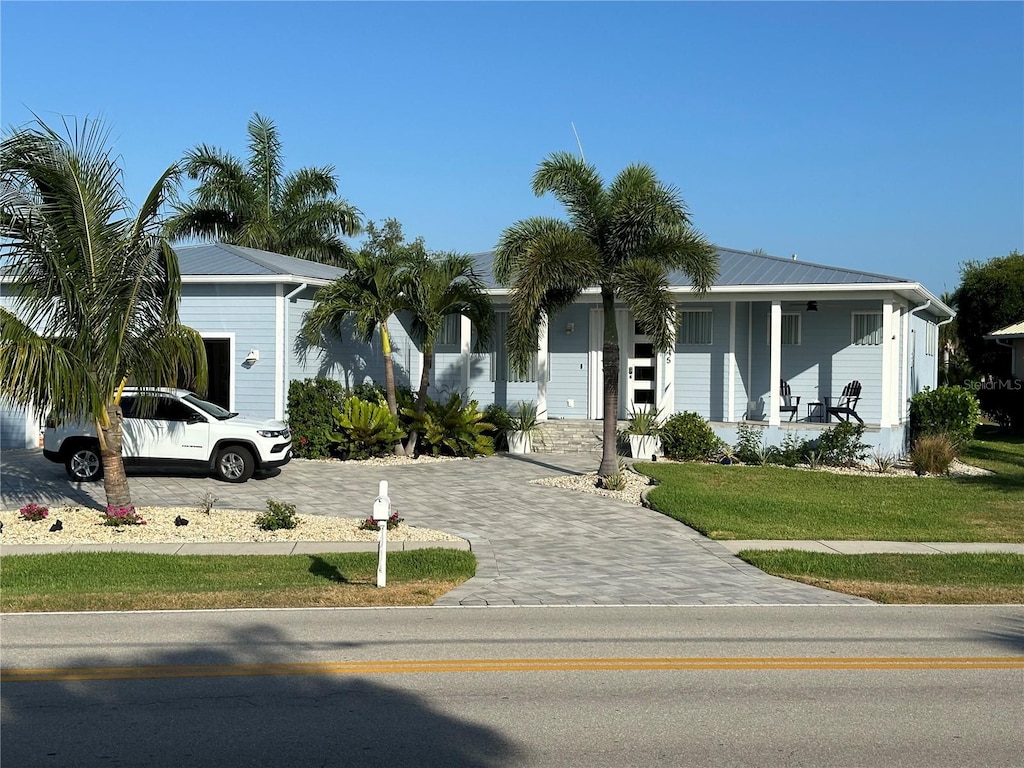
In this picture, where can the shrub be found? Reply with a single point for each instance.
(118, 516)
(792, 450)
(932, 454)
(452, 428)
(883, 462)
(278, 515)
(310, 405)
(501, 422)
(748, 443)
(841, 445)
(33, 512)
(363, 429)
(952, 411)
(688, 436)
(1004, 403)
(615, 482)
(369, 524)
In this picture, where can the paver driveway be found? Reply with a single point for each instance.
(535, 545)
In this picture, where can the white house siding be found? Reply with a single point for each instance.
(861, 363)
(701, 371)
(248, 312)
(923, 362)
(568, 360)
(446, 375)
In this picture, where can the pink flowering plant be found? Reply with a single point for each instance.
(33, 512)
(369, 524)
(118, 516)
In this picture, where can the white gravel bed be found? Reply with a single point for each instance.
(83, 526)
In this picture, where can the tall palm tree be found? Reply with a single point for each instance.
(436, 287)
(623, 239)
(369, 293)
(256, 205)
(96, 288)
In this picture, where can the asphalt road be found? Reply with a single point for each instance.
(887, 686)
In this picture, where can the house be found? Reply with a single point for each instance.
(248, 305)
(1012, 336)
(766, 319)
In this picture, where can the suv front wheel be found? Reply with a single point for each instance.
(234, 464)
(83, 464)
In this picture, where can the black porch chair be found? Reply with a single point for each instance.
(789, 404)
(846, 405)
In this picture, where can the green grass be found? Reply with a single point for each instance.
(753, 502)
(958, 578)
(130, 580)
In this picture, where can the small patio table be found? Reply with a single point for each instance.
(816, 411)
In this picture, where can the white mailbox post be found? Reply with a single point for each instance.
(381, 513)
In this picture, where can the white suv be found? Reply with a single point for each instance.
(179, 429)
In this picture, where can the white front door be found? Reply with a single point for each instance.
(641, 372)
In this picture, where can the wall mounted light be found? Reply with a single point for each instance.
(253, 357)
(570, 328)
(812, 306)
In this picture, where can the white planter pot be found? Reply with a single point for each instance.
(644, 446)
(519, 442)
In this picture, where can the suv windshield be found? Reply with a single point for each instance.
(211, 408)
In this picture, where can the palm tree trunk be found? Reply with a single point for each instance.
(609, 453)
(115, 481)
(389, 380)
(421, 398)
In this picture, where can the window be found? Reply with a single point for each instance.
(931, 339)
(790, 329)
(501, 367)
(867, 328)
(448, 337)
(695, 326)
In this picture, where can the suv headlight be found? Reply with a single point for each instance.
(272, 432)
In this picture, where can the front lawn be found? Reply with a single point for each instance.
(958, 578)
(772, 502)
(102, 581)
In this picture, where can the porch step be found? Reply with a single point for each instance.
(571, 436)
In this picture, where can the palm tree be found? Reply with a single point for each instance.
(436, 287)
(257, 206)
(624, 239)
(95, 287)
(369, 293)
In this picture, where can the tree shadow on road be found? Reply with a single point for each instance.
(240, 720)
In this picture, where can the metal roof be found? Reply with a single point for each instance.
(220, 259)
(744, 268)
(1014, 331)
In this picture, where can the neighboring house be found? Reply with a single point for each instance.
(1012, 336)
(764, 320)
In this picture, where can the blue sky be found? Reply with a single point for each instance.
(887, 137)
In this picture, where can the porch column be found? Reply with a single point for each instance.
(904, 410)
(665, 399)
(595, 359)
(888, 354)
(465, 336)
(542, 370)
(775, 368)
(730, 413)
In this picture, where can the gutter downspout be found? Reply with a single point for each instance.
(284, 341)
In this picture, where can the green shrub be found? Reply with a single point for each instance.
(841, 445)
(615, 482)
(932, 454)
(278, 515)
(952, 411)
(749, 442)
(310, 405)
(363, 429)
(1004, 404)
(688, 436)
(792, 450)
(501, 421)
(451, 428)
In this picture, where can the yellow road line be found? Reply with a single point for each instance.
(375, 667)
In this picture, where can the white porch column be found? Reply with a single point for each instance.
(888, 354)
(730, 413)
(465, 336)
(666, 383)
(595, 360)
(542, 370)
(775, 374)
(904, 410)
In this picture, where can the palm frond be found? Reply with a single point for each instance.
(265, 162)
(642, 285)
(577, 186)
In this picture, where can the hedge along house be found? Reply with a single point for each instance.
(248, 305)
(765, 320)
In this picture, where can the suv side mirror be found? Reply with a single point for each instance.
(196, 418)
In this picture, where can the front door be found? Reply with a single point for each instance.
(641, 373)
